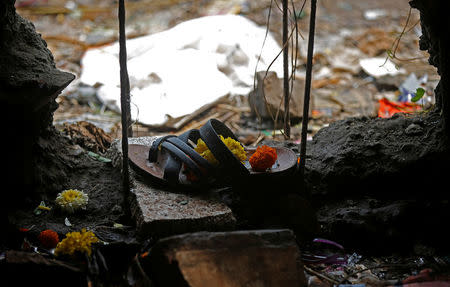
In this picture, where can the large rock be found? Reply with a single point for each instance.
(379, 182)
(267, 100)
(161, 211)
(367, 175)
(29, 77)
(29, 84)
(396, 157)
(404, 223)
(228, 259)
(434, 22)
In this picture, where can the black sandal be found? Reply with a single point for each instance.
(173, 160)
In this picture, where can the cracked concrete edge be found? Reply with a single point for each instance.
(224, 221)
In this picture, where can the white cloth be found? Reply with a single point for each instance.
(179, 70)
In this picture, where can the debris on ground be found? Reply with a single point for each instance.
(378, 67)
(351, 57)
(346, 269)
(387, 108)
(88, 136)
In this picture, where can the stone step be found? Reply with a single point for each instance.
(228, 259)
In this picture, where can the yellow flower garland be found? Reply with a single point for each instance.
(236, 148)
(76, 242)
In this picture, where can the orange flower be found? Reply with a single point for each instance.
(48, 238)
(263, 158)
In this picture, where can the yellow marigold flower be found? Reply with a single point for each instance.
(71, 200)
(76, 242)
(236, 148)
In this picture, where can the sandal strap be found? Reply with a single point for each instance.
(180, 152)
(181, 143)
(153, 151)
(182, 157)
(210, 134)
(172, 169)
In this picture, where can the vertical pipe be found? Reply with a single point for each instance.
(287, 127)
(124, 97)
(312, 25)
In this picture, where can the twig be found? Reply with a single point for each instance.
(264, 42)
(226, 116)
(319, 274)
(259, 59)
(278, 6)
(294, 55)
(403, 31)
(284, 48)
(124, 97)
(199, 124)
(259, 139)
(267, 71)
(391, 52)
(235, 126)
(296, 24)
(312, 25)
(181, 123)
(85, 46)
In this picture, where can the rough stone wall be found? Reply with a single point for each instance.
(7, 13)
(367, 175)
(29, 84)
(435, 25)
(28, 77)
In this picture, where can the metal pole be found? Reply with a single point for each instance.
(312, 25)
(287, 126)
(124, 97)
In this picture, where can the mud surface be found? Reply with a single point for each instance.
(66, 165)
(395, 157)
